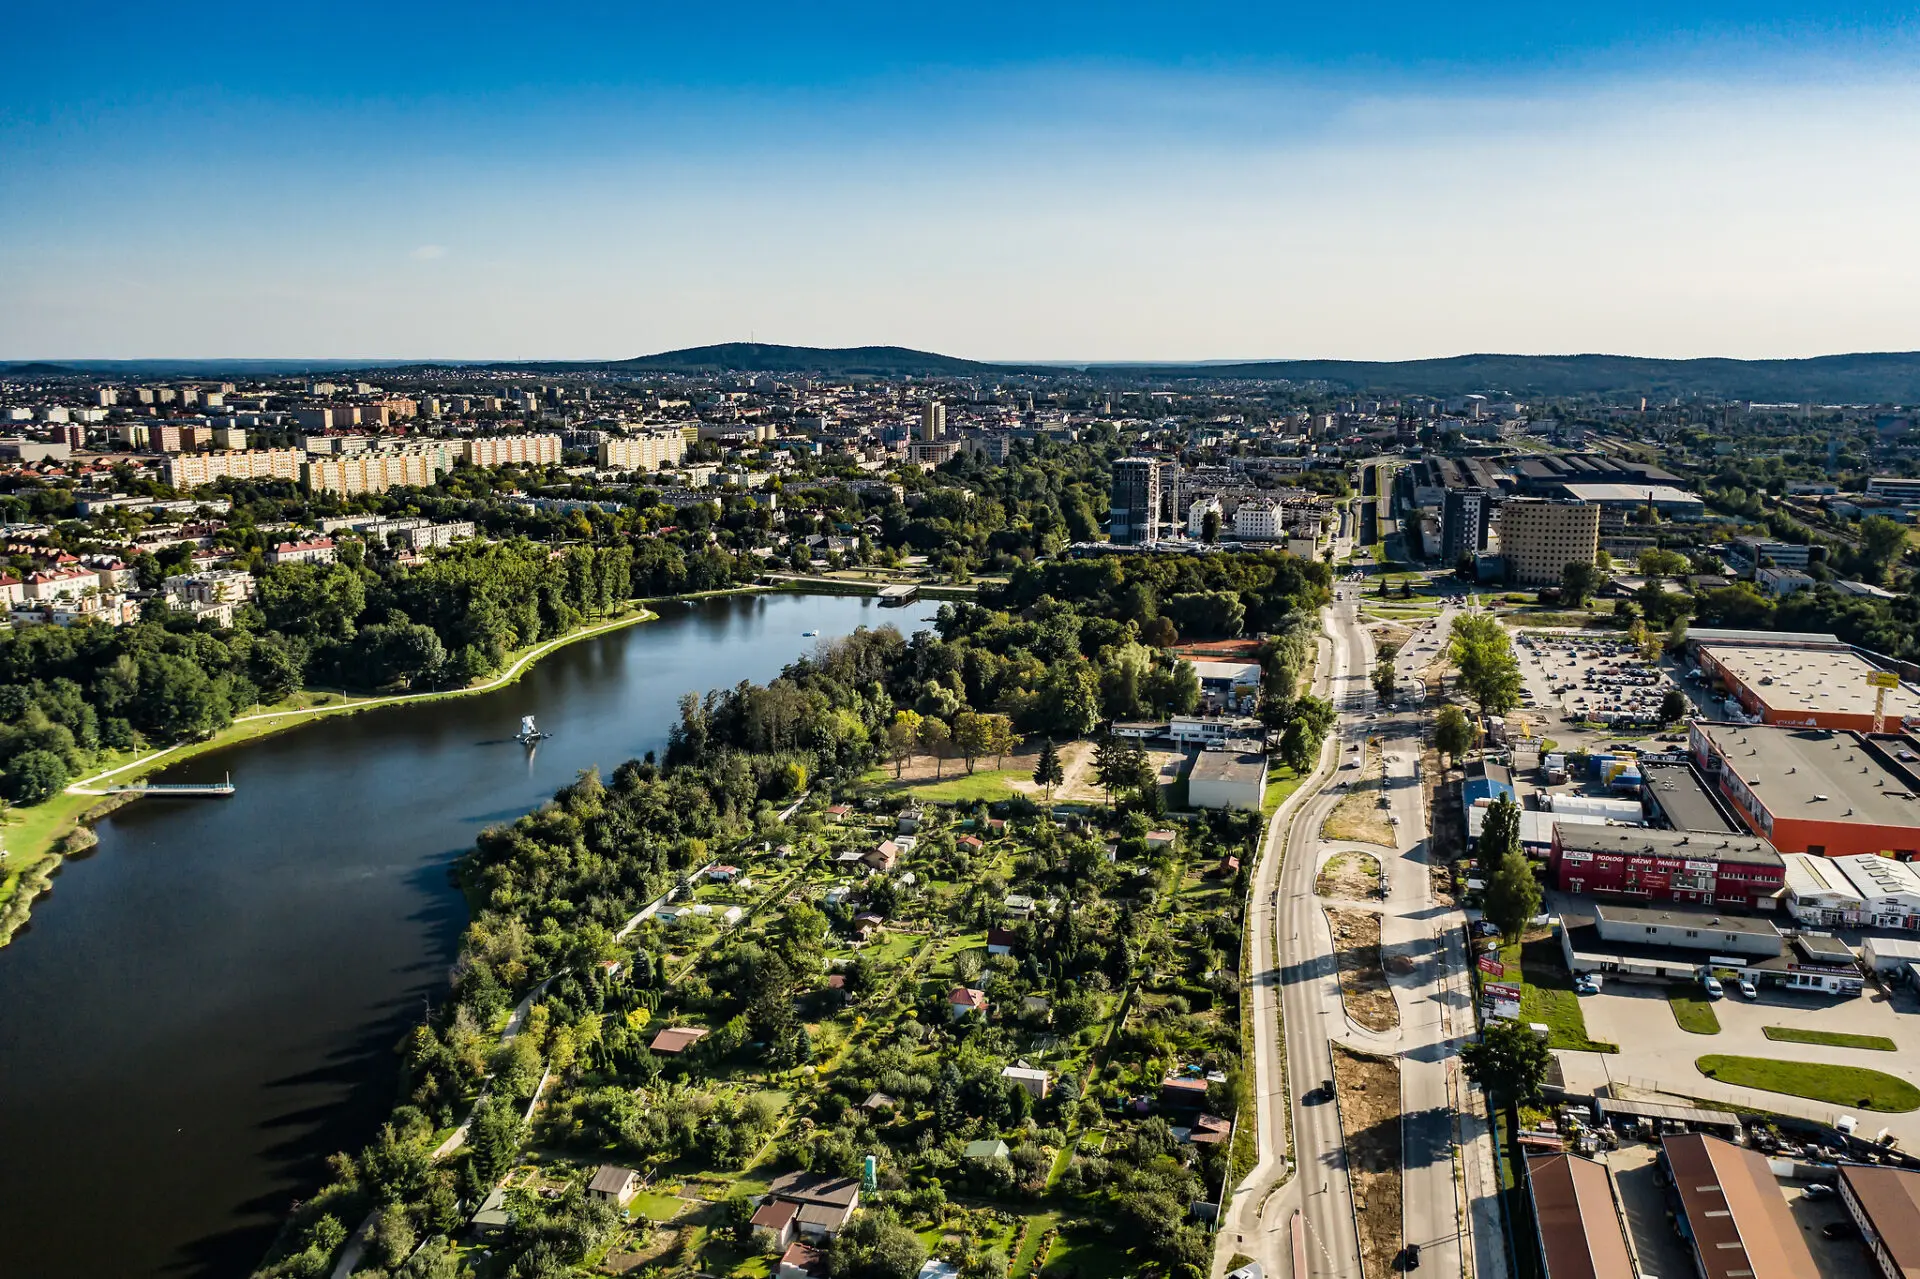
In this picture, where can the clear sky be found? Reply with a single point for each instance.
(999, 181)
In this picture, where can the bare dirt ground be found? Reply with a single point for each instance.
(1076, 761)
(1358, 817)
(1385, 633)
(1349, 876)
(1363, 982)
(1370, 1119)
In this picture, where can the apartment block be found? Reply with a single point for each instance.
(647, 452)
(191, 470)
(377, 470)
(1540, 536)
(512, 450)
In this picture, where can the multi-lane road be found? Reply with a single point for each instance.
(1298, 1013)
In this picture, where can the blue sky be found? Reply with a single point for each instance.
(998, 181)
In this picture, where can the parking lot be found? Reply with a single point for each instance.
(1656, 1052)
(1581, 678)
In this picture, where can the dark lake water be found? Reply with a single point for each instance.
(206, 1006)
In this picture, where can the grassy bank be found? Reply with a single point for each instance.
(1830, 1038)
(37, 837)
(1851, 1086)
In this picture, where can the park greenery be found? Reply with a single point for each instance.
(824, 957)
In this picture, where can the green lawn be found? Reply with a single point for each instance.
(1855, 1087)
(1547, 995)
(1693, 1010)
(1831, 1038)
(959, 786)
(1282, 781)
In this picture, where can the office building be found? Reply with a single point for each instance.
(1258, 520)
(933, 421)
(1465, 516)
(1539, 537)
(1134, 509)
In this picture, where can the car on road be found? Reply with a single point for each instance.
(1410, 1257)
(1714, 989)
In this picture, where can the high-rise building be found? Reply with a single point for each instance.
(1539, 537)
(1464, 517)
(933, 421)
(1134, 508)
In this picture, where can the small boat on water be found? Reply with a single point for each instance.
(528, 734)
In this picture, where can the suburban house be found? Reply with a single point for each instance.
(613, 1184)
(1036, 1082)
(820, 1204)
(965, 1001)
(999, 941)
(883, 857)
(800, 1261)
(1183, 1092)
(773, 1219)
(677, 1039)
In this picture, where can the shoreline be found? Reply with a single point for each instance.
(66, 819)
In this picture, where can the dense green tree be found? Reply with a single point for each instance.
(1453, 732)
(1047, 772)
(1508, 1060)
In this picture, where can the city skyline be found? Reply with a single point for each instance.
(1378, 184)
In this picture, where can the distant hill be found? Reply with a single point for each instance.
(1875, 378)
(761, 357)
(1868, 378)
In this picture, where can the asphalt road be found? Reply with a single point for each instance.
(1293, 967)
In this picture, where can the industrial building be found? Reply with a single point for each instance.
(1540, 537)
(1677, 796)
(1228, 779)
(1814, 687)
(1547, 475)
(1664, 499)
(1732, 1214)
(1818, 894)
(1649, 865)
(1817, 790)
(1575, 1219)
(1675, 944)
(1885, 1205)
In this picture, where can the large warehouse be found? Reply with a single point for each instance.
(1815, 790)
(1784, 682)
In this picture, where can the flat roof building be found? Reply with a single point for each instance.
(1810, 687)
(1644, 864)
(1818, 894)
(1228, 779)
(1817, 790)
(1732, 1213)
(1678, 796)
(1674, 503)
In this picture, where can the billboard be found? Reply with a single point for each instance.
(1500, 999)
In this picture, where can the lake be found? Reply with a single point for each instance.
(207, 1005)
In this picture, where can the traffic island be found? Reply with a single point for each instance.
(1363, 981)
(1368, 1089)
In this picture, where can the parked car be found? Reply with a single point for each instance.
(1818, 1190)
(1748, 990)
(1714, 989)
(1587, 984)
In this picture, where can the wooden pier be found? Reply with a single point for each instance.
(218, 790)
